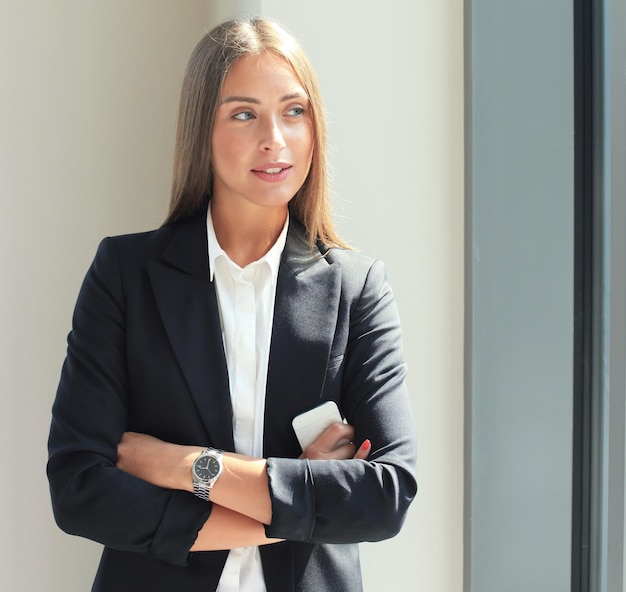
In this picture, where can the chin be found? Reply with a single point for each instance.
(275, 201)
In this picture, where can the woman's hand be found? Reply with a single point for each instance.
(158, 462)
(335, 443)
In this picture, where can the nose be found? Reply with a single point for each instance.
(273, 138)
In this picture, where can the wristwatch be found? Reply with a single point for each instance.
(205, 471)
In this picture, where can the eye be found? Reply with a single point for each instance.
(296, 111)
(243, 116)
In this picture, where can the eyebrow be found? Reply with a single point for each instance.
(240, 99)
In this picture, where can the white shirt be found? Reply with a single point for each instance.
(246, 304)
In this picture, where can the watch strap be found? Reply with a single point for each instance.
(201, 490)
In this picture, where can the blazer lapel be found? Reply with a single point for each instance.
(188, 307)
(305, 316)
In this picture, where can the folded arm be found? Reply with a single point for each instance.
(346, 502)
(240, 497)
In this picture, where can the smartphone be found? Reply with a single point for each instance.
(309, 425)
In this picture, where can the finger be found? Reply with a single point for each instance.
(364, 450)
(333, 436)
(342, 452)
(333, 443)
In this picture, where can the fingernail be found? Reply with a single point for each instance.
(366, 445)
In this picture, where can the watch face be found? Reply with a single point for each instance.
(207, 468)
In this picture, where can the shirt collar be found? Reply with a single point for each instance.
(272, 257)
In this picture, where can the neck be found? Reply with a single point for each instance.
(249, 234)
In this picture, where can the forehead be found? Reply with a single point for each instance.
(262, 72)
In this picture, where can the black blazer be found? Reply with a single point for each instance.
(145, 354)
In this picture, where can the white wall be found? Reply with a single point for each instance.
(88, 94)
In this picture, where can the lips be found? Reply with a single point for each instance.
(272, 171)
(272, 168)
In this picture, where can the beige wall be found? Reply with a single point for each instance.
(88, 94)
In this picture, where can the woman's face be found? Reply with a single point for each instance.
(263, 134)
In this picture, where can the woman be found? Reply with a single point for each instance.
(194, 346)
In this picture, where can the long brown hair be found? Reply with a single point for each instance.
(209, 64)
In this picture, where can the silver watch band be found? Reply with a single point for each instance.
(201, 491)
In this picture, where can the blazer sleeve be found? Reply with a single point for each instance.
(348, 501)
(90, 496)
